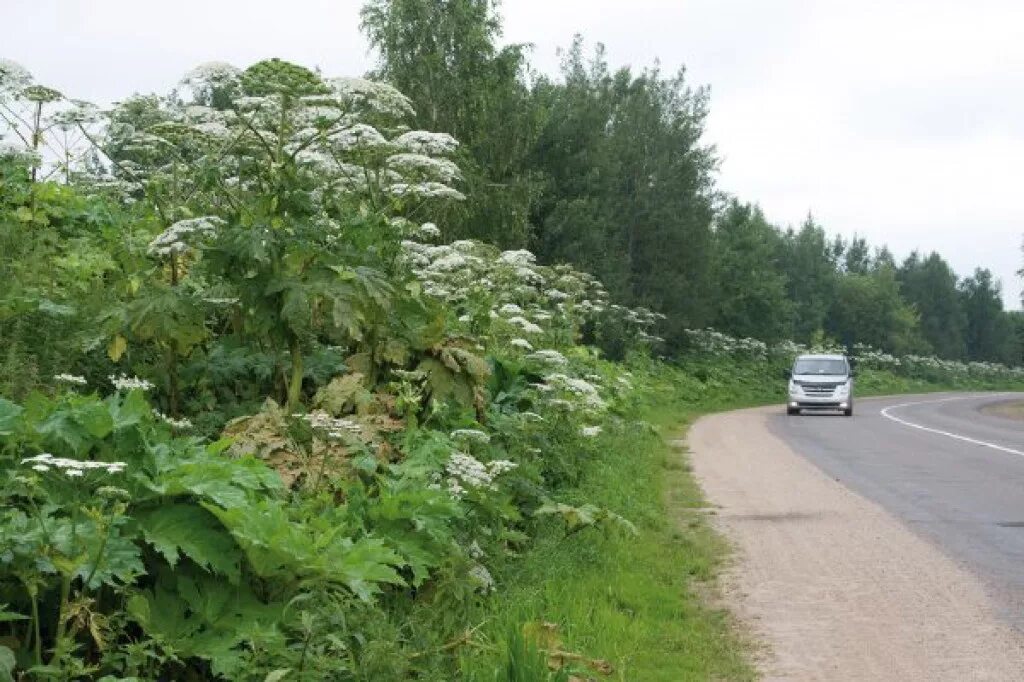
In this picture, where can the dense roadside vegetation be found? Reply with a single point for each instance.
(282, 397)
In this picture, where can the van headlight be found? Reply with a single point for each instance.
(844, 389)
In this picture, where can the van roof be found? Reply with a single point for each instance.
(821, 356)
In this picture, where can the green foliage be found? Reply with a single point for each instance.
(359, 455)
(183, 530)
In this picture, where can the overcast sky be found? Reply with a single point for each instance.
(900, 121)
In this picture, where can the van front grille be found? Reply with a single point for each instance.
(819, 389)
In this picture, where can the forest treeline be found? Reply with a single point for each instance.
(608, 169)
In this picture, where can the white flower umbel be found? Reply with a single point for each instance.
(426, 167)
(13, 76)
(548, 356)
(500, 466)
(335, 428)
(177, 237)
(70, 379)
(579, 388)
(72, 467)
(471, 435)
(520, 257)
(180, 424)
(482, 577)
(522, 344)
(525, 325)
(467, 472)
(425, 190)
(426, 142)
(212, 73)
(126, 383)
(377, 97)
(510, 309)
(590, 431)
(359, 136)
(429, 231)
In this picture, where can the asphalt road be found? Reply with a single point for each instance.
(951, 473)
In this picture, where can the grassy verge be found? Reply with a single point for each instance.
(635, 601)
(629, 600)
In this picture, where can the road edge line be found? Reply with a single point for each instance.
(995, 446)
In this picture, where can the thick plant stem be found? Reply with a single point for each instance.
(37, 640)
(172, 355)
(295, 383)
(172, 381)
(65, 597)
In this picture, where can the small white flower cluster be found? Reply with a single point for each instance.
(373, 96)
(70, 379)
(212, 73)
(424, 167)
(78, 112)
(180, 424)
(521, 257)
(580, 389)
(471, 435)
(465, 471)
(527, 299)
(482, 577)
(716, 344)
(426, 142)
(526, 325)
(334, 427)
(425, 190)
(590, 431)
(522, 344)
(73, 468)
(429, 231)
(359, 136)
(126, 383)
(548, 356)
(13, 76)
(175, 239)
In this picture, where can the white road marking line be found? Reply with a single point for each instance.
(885, 413)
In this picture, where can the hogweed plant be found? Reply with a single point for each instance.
(423, 404)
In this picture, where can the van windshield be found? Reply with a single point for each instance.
(819, 366)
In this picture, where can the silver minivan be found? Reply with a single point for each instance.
(820, 382)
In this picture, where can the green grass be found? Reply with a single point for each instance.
(630, 601)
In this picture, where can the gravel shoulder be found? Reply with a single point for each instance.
(1010, 409)
(832, 584)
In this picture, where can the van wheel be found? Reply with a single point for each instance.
(792, 411)
(848, 411)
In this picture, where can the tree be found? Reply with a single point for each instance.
(442, 54)
(809, 263)
(631, 192)
(867, 309)
(749, 286)
(857, 258)
(989, 333)
(930, 285)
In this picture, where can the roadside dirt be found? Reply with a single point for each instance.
(1010, 410)
(835, 587)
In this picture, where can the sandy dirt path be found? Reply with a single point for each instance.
(835, 587)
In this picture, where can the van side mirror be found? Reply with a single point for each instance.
(787, 374)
